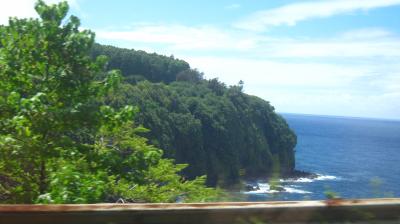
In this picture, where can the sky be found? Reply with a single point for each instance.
(327, 57)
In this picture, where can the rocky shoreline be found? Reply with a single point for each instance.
(251, 183)
(297, 174)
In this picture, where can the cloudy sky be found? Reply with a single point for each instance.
(330, 57)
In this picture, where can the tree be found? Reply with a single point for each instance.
(58, 142)
(218, 131)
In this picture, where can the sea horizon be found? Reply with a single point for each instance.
(341, 116)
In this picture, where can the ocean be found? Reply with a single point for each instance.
(354, 157)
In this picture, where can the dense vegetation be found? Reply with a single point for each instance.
(139, 65)
(218, 130)
(59, 142)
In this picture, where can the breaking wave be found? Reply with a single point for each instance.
(309, 179)
(264, 188)
(288, 185)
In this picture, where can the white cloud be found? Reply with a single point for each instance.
(18, 8)
(24, 8)
(270, 73)
(359, 43)
(293, 13)
(367, 42)
(334, 48)
(367, 33)
(178, 37)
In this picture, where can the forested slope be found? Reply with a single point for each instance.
(218, 130)
(59, 142)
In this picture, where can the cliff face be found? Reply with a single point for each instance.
(218, 130)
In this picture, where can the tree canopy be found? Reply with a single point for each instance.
(217, 129)
(59, 141)
(139, 65)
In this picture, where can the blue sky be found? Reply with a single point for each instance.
(331, 57)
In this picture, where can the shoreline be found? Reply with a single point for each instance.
(252, 184)
(294, 175)
(297, 174)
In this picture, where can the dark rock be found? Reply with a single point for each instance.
(297, 174)
(250, 187)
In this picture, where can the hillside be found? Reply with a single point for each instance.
(217, 129)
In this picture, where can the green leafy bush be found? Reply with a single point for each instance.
(58, 142)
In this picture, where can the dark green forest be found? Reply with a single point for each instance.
(217, 129)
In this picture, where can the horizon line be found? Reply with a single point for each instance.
(341, 116)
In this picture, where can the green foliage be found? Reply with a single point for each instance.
(58, 142)
(218, 131)
(330, 194)
(75, 183)
(138, 65)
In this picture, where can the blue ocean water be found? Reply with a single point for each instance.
(356, 158)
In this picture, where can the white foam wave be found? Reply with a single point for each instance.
(326, 177)
(298, 180)
(308, 180)
(296, 191)
(264, 188)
